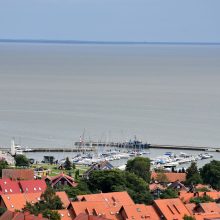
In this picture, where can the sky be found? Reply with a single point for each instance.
(111, 20)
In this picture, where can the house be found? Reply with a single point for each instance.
(186, 196)
(64, 214)
(156, 189)
(170, 209)
(15, 202)
(106, 205)
(103, 165)
(177, 185)
(18, 174)
(64, 198)
(9, 215)
(204, 211)
(84, 216)
(32, 186)
(18, 201)
(138, 211)
(7, 186)
(60, 180)
(170, 177)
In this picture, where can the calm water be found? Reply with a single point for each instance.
(162, 94)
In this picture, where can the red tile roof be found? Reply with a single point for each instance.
(17, 201)
(139, 211)
(32, 186)
(84, 216)
(185, 196)
(155, 186)
(9, 215)
(18, 174)
(62, 177)
(64, 198)
(171, 176)
(121, 198)
(171, 208)
(8, 186)
(65, 214)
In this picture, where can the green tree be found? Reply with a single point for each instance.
(21, 161)
(140, 166)
(161, 177)
(116, 181)
(3, 165)
(169, 194)
(210, 174)
(77, 174)
(201, 199)
(193, 175)
(67, 164)
(49, 201)
(2, 210)
(72, 192)
(187, 217)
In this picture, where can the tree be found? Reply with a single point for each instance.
(21, 161)
(72, 192)
(3, 165)
(2, 210)
(210, 174)
(169, 194)
(186, 217)
(161, 178)
(67, 164)
(139, 166)
(201, 199)
(77, 174)
(116, 181)
(49, 201)
(193, 175)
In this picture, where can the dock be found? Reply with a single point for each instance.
(92, 146)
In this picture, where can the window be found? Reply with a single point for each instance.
(35, 189)
(39, 188)
(6, 190)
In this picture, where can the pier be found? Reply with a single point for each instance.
(92, 146)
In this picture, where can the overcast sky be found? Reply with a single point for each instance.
(111, 20)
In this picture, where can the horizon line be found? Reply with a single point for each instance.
(52, 41)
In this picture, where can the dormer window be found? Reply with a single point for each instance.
(10, 190)
(39, 188)
(6, 190)
(35, 189)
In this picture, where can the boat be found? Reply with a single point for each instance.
(206, 156)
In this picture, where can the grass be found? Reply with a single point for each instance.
(55, 171)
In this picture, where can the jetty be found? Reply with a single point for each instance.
(92, 146)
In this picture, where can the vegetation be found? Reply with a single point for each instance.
(210, 174)
(2, 210)
(68, 165)
(49, 201)
(201, 199)
(139, 166)
(186, 217)
(116, 181)
(3, 165)
(21, 161)
(72, 192)
(169, 194)
(161, 177)
(193, 175)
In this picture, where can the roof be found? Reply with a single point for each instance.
(8, 186)
(54, 180)
(84, 216)
(171, 208)
(210, 207)
(155, 186)
(112, 198)
(9, 215)
(65, 214)
(171, 176)
(178, 186)
(18, 174)
(18, 201)
(103, 165)
(64, 198)
(96, 208)
(32, 186)
(139, 211)
(186, 196)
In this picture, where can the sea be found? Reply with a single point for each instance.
(53, 94)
